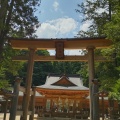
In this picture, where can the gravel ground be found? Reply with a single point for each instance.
(18, 117)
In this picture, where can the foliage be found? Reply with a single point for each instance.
(17, 19)
(116, 91)
(66, 67)
(40, 71)
(112, 28)
(104, 16)
(84, 73)
(4, 84)
(99, 13)
(112, 31)
(8, 68)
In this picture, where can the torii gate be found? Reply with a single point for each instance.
(60, 45)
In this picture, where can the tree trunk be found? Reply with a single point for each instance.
(4, 22)
(3, 12)
(110, 11)
(1, 47)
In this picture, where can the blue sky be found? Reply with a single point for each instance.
(53, 9)
(59, 19)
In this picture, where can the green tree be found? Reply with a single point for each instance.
(40, 70)
(104, 23)
(112, 30)
(84, 73)
(8, 68)
(66, 67)
(17, 17)
(99, 13)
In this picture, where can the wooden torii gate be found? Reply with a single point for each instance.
(60, 45)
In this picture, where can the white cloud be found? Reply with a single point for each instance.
(73, 52)
(85, 25)
(57, 28)
(52, 52)
(100, 10)
(68, 52)
(64, 25)
(46, 30)
(55, 5)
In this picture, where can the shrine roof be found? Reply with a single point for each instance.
(63, 88)
(51, 80)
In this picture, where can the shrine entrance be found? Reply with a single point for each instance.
(60, 45)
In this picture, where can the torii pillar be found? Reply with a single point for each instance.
(93, 89)
(26, 98)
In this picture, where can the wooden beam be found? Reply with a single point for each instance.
(66, 96)
(46, 91)
(53, 58)
(72, 43)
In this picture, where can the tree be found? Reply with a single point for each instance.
(8, 68)
(112, 30)
(40, 70)
(104, 23)
(99, 13)
(16, 19)
(84, 73)
(66, 67)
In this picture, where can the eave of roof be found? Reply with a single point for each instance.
(53, 87)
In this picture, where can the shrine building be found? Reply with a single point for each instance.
(64, 96)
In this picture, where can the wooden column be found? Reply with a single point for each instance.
(5, 111)
(102, 107)
(32, 105)
(95, 100)
(91, 77)
(74, 107)
(28, 83)
(14, 103)
(51, 105)
(103, 94)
